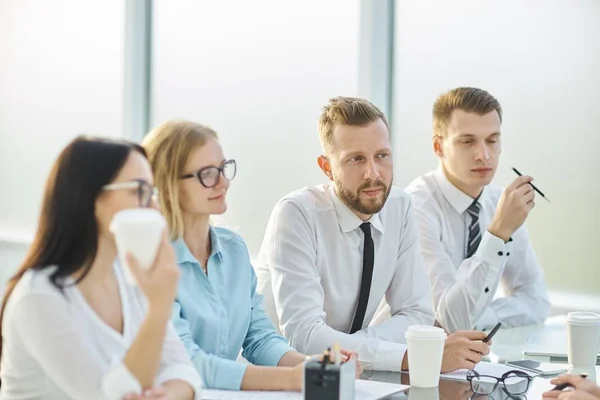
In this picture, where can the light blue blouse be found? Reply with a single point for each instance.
(219, 314)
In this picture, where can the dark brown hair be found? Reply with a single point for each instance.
(67, 232)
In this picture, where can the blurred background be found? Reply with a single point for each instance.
(259, 71)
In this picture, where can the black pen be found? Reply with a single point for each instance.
(565, 385)
(492, 333)
(532, 185)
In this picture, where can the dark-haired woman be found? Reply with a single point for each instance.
(71, 325)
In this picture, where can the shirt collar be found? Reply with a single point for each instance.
(183, 253)
(347, 220)
(459, 200)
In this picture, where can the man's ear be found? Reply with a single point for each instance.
(325, 166)
(437, 146)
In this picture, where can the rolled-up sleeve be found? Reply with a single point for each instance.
(263, 345)
(216, 372)
(219, 373)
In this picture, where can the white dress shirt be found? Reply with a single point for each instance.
(464, 289)
(310, 265)
(56, 347)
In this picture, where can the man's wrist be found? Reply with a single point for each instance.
(503, 234)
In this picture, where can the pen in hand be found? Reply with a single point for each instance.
(490, 335)
(532, 185)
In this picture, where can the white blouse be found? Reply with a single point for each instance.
(56, 347)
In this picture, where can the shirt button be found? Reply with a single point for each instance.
(500, 253)
(508, 253)
(487, 290)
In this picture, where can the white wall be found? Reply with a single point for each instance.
(258, 72)
(541, 59)
(61, 74)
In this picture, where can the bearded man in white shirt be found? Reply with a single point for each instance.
(471, 232)
(331, 253)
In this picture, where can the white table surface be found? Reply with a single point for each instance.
(507, 345)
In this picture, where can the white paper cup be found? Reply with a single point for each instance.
(137, 231)
(420, 393)
(583, 338)
(425, 346)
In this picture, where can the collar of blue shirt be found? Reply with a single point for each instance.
(183, 253)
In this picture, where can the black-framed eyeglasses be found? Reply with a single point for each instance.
(513, 382)
(209, 176)
(145, 191)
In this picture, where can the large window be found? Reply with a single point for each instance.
(258, 73)
(541, 59)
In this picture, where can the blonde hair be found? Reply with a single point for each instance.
(168, 147)
(469, 99)
(352, 111)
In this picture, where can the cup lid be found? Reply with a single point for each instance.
(583, 318)
(138, 215)
(425, 332)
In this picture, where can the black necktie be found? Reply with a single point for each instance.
(367, 277)
(474, 229)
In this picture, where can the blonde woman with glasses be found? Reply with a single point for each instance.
(217, 311)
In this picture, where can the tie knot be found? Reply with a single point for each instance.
(366, 228)
(474, 208)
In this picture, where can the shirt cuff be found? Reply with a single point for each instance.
(228, 375)
(120, 382)
(389, 356)
(273, 354)
(185, 373)
(488, 320)
(493, 251)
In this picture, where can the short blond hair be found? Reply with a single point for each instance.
(169, 146)
(469, 99)
(353, 111)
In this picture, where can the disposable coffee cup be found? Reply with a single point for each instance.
(137, 231)
(422, 393)
(425, 346)
(583, 338)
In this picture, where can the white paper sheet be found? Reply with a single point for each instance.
(364, 390)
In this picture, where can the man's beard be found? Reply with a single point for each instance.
(354, 202)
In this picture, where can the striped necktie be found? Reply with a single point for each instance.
(474, 229)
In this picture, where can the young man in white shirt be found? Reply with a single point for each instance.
(471, 232)
(332, 252)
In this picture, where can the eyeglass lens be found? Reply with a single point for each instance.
(210, 176)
